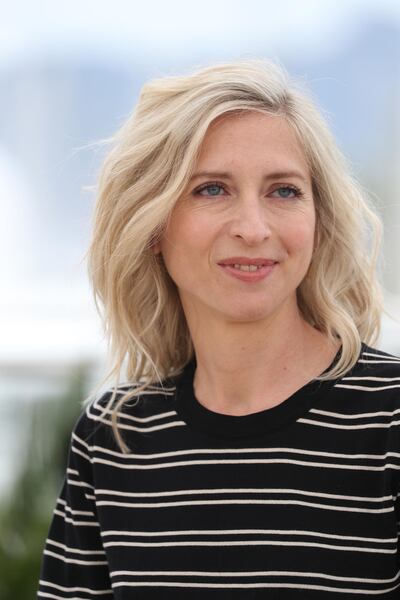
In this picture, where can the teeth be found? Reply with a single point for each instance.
(246, 267)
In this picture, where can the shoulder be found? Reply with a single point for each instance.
(132, 406)
(375, 376)
(379, 361)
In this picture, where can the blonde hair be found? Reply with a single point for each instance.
(148, 168)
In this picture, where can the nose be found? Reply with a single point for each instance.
(250, 222)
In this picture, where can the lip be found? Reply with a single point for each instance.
(246, 260)
(248, 276)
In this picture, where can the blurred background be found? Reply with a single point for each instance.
(70, 74)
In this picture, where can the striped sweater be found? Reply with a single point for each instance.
(297, 501)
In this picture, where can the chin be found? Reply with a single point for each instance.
(247, 315)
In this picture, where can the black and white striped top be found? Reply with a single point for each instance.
(297, 501)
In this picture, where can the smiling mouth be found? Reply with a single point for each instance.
(246, 271)
(246, 267)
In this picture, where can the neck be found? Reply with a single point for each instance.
(245, 367)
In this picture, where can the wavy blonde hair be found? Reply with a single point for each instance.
(148, 168)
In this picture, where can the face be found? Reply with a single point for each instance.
(240, 239)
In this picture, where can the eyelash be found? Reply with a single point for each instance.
(293, 188)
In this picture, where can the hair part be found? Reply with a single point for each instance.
(147, 170)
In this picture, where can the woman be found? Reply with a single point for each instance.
(254, 451)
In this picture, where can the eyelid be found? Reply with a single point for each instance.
(291, 186)
(207, 184)
(276, 186)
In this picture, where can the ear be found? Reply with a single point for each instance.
(154, 245)
(156, 248)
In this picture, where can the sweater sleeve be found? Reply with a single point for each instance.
(74, 562)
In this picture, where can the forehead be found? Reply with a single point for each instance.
(252, 136)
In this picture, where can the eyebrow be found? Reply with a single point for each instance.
(272, 175)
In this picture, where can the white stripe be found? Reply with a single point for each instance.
(365, 378)
(251, 543)
(80, 483)
(380, 413)
(72, 471)
(76, 523)
(54, 597)
(121, 415)
(218, 532)
(187, 492)
(85, 456)
(254, 574)
(379, 362)
(75, 561)
(261, 450)
(140, 429)
(364, 388)
(88, 513)
(250, 585)
(74, 550)
(63, 588)
(250, 502)
(255, 461)
(332, 426)
(394, 358)
(135, 384)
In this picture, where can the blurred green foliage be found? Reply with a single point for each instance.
(25, 514)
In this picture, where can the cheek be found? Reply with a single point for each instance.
(191, 234)
(300, 236)
(182, 243)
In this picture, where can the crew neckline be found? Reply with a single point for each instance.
(269, 420)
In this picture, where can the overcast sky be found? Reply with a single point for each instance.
(112, 27)
(162, 34)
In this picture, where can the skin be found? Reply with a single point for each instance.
(253, 348)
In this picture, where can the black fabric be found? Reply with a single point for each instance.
(266, 421)
(297, 501)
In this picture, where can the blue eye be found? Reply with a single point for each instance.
(216, 189)
(211, 189)
(286, 190)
